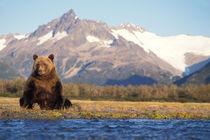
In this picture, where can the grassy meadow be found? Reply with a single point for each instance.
(86, 109)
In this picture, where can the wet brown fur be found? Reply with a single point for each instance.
(44, 86)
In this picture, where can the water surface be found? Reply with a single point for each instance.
(104, 129)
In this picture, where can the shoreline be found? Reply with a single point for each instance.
(86, 109)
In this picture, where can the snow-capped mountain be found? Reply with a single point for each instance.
(94, 52)
(171, 49)
(5, 39)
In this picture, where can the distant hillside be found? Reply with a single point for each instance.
(133, 80)
(200, 77)
(6, 72)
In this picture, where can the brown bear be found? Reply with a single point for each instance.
(44, 87)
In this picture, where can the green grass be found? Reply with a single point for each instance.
(85, 109)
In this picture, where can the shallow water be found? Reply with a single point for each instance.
(104, 129)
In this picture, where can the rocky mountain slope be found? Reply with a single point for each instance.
(201, 76)
(93, 52)
(6, 72)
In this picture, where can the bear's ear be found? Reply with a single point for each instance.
(51, 57)
(35, 56)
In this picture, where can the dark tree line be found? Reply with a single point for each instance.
(171, 92)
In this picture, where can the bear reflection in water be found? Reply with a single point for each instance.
(44, 86)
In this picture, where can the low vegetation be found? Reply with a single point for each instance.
(171, 93)
(85, 109)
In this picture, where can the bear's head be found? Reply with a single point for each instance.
(43, 65)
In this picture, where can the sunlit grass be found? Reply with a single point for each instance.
(85, 109)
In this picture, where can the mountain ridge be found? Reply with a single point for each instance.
(93, 52)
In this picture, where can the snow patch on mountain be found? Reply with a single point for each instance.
(44, 38)
(19, 37)
(128, 36)
(49, 36)
(172, 49)
(107, 43)
(103, 43)
(2, 43)
(60, 35)
(92, 39)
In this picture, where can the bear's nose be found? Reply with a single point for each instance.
(39, 72)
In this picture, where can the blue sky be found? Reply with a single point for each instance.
(163, 17)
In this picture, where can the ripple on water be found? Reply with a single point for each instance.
(105, 129)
